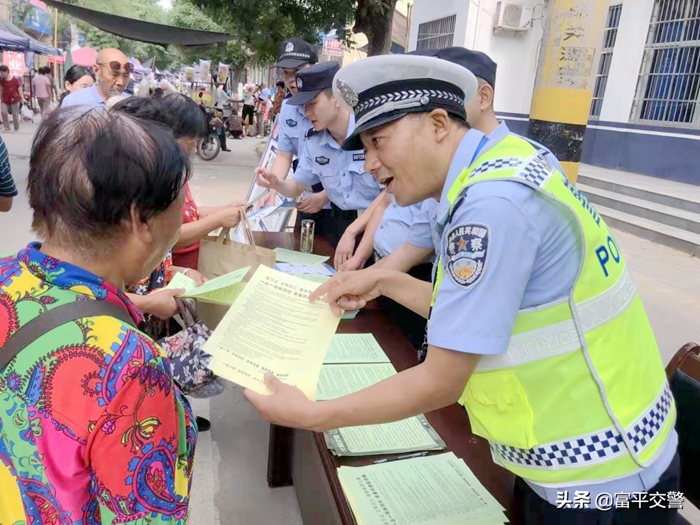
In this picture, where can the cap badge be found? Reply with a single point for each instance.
(300, 83)
(289, 48)
(349, 95)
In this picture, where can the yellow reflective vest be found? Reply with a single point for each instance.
(581, 393)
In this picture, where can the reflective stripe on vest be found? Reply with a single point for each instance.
(581, 393)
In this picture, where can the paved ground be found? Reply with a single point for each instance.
(229, 486)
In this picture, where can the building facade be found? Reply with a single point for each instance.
(644, 116)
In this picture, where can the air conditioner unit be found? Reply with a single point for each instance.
(512, 17)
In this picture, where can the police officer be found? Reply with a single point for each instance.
(296, 54)
(535, 324)
(322, 160)
(485, 129)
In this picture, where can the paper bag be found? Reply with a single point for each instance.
(220, 255)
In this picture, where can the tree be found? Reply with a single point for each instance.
(263, 24)
(185, 14)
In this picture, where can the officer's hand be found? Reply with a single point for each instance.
(287, 406)
(266, 178)
(350, 290)
(313, 203)
(268, 200)
(345, 249)
(352, 264)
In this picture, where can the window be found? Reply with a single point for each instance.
(669, 81)
(437, 34)
(606, 54)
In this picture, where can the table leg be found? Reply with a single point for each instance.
(279, 457)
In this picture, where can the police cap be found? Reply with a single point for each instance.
(475, 61)
(312, 80)
(295, 52)
(384, 88)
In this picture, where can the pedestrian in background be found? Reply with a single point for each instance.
(77, 78)
(279, 98)
(7, 184)
(43, 91)
(11, 95)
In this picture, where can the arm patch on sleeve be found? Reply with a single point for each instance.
(466, 253)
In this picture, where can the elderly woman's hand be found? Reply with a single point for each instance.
(161, 303)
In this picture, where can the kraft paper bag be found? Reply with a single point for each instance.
(221, 255)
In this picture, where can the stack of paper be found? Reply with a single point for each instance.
(223, 290)
(434, 490)
(291, 256)
(273, 327)
(355, 362)
(304, 269)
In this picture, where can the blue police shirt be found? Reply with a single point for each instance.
(423, 232)
(397, 224)
(529, 251)
(341, 172)
(293, 127)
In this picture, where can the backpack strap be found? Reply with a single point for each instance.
(54, 318)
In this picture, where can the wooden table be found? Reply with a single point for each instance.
(313, 468)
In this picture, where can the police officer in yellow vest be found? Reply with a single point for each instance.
(535, 325)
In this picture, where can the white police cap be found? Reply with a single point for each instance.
(384, 88)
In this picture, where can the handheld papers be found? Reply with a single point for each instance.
(223, 290)
(435, 490)
(273, 327)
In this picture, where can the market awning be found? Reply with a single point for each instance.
(85, 56)
(33, 44)
(10, 42)
(140, 30)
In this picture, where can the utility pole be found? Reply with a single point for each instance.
(565, 77)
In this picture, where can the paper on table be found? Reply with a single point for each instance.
(222, 290)
(273, 327)
(434, 490)
(350, 315)
(341, 380)
(320, 279)
(408, 435)
(291, 256)
(355, 348)
(296, 269)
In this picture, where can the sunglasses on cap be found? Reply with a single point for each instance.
(116, 68)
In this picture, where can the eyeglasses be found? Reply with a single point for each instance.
(116, 68)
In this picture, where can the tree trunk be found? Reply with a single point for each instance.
(374, 18)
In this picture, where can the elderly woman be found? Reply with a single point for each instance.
(92, 428)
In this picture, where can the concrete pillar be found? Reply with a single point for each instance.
(565, 78)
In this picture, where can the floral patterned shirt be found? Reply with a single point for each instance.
(92, 428)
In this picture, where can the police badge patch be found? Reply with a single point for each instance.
(466, 253)
(291, 122)
(322, 160)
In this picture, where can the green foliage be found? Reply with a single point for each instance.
(263, 24)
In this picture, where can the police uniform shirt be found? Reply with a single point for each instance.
(293, 127)
(396, 224)
(341, 172)
(423, 232)
(529, 249)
